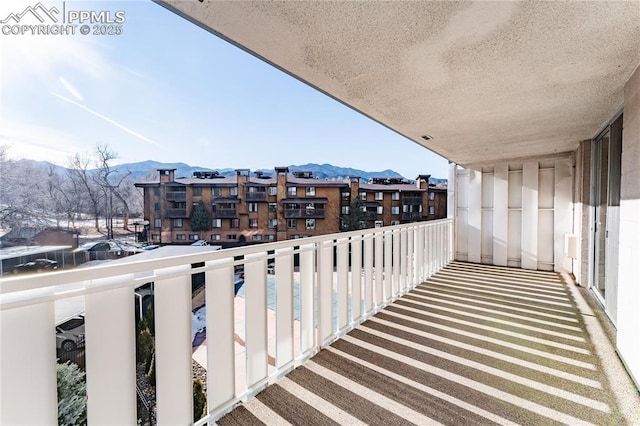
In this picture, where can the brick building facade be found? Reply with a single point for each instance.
(255, 207)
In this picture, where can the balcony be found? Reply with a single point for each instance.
(372, 215)
(176, 213)
(412, 216)
(180, 196)
(304, 213)
(412, 201)
(418, 339)
(225, 213)
(255, 196)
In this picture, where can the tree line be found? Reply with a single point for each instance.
(34, 195)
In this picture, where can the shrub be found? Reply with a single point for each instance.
(199, 400)
(72, 395)
(145, 348)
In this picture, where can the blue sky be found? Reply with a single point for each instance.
(166, 90)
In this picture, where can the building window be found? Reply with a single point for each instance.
(215, 237)
(270, 237)
(345, 209)
(363, 196)
(197, 191)
(432, 196)
(234, 223)
(177, 223)
(156, 207)
(292, 191)
(273, 190)
(253, 207)
(216, 223)
(432, 210)
(310, 224)
(231, 237)
(181, 237)
(378, 224)
(311, 191)
(257, 238)
(379, 210)
(395, 195)
(345, 195)
(253, 222)
(292, 223)
(216, 191)
(156, 191)
(155, 237)
(194, 237)
(379, 196)
(273, 223)
(157, 223)
(295, 237)
(395, 210)
(273, 207)
(233, 191)
(395, 222)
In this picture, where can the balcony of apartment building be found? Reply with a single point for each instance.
(254, 196)
(225, 207)
(519, 308)
(177, 196)
(304, 208)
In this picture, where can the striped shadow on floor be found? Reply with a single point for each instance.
(474, 344)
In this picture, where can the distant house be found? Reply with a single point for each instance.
(40, 236)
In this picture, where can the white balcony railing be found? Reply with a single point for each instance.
(342, 279)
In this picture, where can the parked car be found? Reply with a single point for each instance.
(37, 265)
(96, 246)
(70, 333)
(200, 243)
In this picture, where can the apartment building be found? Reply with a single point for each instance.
(258, 207)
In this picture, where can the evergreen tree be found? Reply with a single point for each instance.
(357, 217)
(72, 395)
(200, 219)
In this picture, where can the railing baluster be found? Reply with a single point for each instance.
(307, 284)
(255, 272)
(396, 247)
(342, 269)
(174, 389)
(388, 266)
(411, 258)
(284, 306)
(356, 278)
(220, 334)
(379, 266)
(28, 365)
(110, 341)
(325, 292)
(368, 274)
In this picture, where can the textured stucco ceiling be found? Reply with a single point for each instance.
(487, 80)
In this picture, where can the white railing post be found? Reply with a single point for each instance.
(405, 260)
(110, 341)
(356, 278)
(368, 273)
(172, 316)
(420, 260)
(307, 289)
(379, 266)
(411, 258)
(396, 246)
(284, 306)
(325, 292)
(256, 343)
(342, 268)
(221, 365)
(28, 366)
(388, 266)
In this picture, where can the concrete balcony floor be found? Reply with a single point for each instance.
(474, 344)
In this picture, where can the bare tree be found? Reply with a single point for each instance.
(83, 179)
(111, 183)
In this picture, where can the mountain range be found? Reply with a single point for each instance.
(145, 170)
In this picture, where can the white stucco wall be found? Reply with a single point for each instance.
(629, 243)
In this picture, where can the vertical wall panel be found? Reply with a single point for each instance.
(562, 213)
(500, 214)
(530, 215)
(462, 217)
(475, 216)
